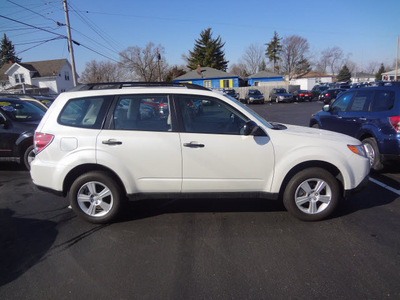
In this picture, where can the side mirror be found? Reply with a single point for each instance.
(251, 128)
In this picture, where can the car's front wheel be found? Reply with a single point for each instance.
(96, 197)
(312, 194)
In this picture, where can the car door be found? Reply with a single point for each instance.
(140, 143)
(357, 113)
(333, 119)
(216, 155)
(8, 136)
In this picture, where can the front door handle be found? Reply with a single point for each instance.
(193, 145)
(112, 142)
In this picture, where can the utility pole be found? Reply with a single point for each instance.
(158, 64)
(397, 60)
(71, 50)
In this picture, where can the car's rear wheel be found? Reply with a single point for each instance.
(96, 197)
(312, 194)
(372, 150)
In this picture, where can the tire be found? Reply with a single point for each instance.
(28, 157)
(373, 154)
(315, 125)
(312, 194)
(96, 197)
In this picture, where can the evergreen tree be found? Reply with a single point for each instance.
(7, 52)
(273, 51)
(344, 74)
(207, 52)
(378, 76)
(303, 66)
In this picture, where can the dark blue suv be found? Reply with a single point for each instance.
(371, 115)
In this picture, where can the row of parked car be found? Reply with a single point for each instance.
(19, 117)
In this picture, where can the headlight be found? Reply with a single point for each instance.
(251, 98)
(357, 149)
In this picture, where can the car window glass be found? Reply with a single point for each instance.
(143, 112)
(383, 100)
(83, 112)
(361, 101)
(21, 111)
(210, 115)
(342, 102)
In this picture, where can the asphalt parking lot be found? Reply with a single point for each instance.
(201, 249)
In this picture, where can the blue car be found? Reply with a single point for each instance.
(371, 115)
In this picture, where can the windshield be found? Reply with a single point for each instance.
(230, 92)
(280, 91)
(21, 111)
(254, 92)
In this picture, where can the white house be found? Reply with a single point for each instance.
(391, 75)
(308, 80)
(47, 76)
(362, 77)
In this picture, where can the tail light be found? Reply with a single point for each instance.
(395, 122)
(163, 104)
(301, 94)
(42, 140)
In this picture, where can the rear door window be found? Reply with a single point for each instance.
(142, 112)
(360, 101)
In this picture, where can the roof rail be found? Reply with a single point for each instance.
(121, 85)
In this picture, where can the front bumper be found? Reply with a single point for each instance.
(363, 184)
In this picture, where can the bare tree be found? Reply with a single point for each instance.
(145, 63)
(103, 72)
(294, 52)
(372, 67)
(331, 58)
(253, 58)
(239, 69)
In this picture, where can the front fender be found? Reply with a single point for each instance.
(345, 161)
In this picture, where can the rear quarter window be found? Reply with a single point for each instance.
(84, 112)
(383, 101)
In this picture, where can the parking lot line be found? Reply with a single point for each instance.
(385, 186)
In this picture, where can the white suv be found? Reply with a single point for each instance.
(104, 144)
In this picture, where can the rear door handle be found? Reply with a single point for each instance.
(193, 145)
(112, 142)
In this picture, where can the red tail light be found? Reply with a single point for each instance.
(301, 94)
(395, 122)
(42, 140)
(162, 104)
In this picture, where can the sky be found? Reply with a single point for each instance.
(366, 30)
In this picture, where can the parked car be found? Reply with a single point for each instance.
(100, 153)
(317, 89)
(28, 98)
(46, 100)
(254, 95)
(280, 95)
(18, 121)
(371, 115)
(302, 95)
(329, 95)
(232, 93)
